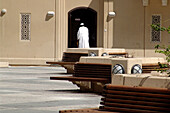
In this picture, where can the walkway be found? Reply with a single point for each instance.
(29, 90)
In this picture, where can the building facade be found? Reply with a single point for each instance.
(36, 31)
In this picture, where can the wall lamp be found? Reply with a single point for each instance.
(3, 11)
(164, 2)
(112, 14)
(145, 2)
(51, 13)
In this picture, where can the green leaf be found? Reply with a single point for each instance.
(169, 27)
(163, 28)
(157, 46)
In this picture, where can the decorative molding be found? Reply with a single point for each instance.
(156, 35)
(25, 26)
(164, 2)
(145, 2)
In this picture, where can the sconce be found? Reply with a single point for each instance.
(51, 13)
(3, 11)
(112, 14)
(164, 2)
(145, 2)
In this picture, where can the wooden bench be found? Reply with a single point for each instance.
(70, 58)
(89, 72)
(131, 100)
(123, 54)
(147, 68)
(97, 72)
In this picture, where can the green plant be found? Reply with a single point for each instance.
(162, 49)
(157, 27)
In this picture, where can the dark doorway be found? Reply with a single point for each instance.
(84, 15)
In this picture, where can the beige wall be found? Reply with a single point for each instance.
(129, 26)
(42, 31)
(132, 29)
(155, 7)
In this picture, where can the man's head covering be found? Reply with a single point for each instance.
(82, 24)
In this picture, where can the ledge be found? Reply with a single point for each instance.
(4, 64)
(141, 80)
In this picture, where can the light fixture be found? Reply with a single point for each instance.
(145, 2)
(3, 11)
(51, 13)
(112, 14)
(164, 2)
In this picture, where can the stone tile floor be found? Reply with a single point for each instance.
(30, 90)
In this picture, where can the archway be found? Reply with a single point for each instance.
(78, 15)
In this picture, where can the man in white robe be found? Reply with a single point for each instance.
(83, 36)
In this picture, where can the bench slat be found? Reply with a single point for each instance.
(116, 53)
(125, 110)
(138, 94)
(134, 106)
(71, 78)
(134, 102)
(138, 89)
(84, 111)
(61, 63)
(126, 97)
(84, 64)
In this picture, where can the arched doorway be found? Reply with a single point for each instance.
(78, 15)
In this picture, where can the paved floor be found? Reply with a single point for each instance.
(29, 90)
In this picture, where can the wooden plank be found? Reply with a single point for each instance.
(126, 110)
(126, 97)
(136, 106)
(152, 69)
(151, 64)
(89, 76)
(135, 102)
(138, 89)
(72, 57)
(93, 66)
(80, 63)
(137, 94)
(93, 74)
(84, 111)
(61, 63)
(85, 53)
(71, 78)
(92, 71)
(118, 53)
